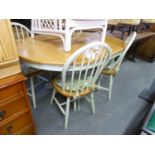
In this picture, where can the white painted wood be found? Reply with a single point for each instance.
(95, 68)
(92, 103)
(115, 64)
(110, 86)
(53, 95)
(94, 58)
(33, 93)
(67, 112)
(59, 106)
(20, 28)
(74, 105)
(64, 28)
(78, 104)
(22, 32)
(128, 42)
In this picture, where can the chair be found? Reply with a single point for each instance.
(112, 24)
(21, 32)
(64, 28)
(146, 23)
(129, 25)
(114, 65)
(79, 75)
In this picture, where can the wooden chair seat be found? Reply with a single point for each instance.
(66, 92)
(109, 72)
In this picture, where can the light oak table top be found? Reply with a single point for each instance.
(46, 52)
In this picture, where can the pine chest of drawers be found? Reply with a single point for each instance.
(15, 111)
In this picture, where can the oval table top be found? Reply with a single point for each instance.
(46, 52)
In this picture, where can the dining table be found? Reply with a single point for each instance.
(46, 52)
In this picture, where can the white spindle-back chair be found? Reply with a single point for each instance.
(20, 32)
(79, 75)
(64, 28)
(114, 64)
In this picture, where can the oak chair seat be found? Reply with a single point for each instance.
(67, 93)
(109, 72)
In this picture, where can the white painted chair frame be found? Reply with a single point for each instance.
(21, 27)
(64, 28)
(116, 64)
(100, 61)
(19, 31)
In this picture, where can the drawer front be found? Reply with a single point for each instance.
(11, 107)
(29, 131)
(10, 91)
(15, 125)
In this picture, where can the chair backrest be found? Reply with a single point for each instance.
(115, 64)
(21, 31)
(84, 66)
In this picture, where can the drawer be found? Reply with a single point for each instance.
(15, 125)
(12, 106)
(29, 131)
(10, 91)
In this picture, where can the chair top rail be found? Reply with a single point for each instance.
(128, 42)
(20, 28)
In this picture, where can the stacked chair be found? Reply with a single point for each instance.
(64, 28)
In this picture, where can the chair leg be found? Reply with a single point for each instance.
(75, 105)
(99, 83)
(53, 95)
(78, 104)
(67, 112)
(33, 93)
(110, 86)
(67, 41)
(92, 103)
